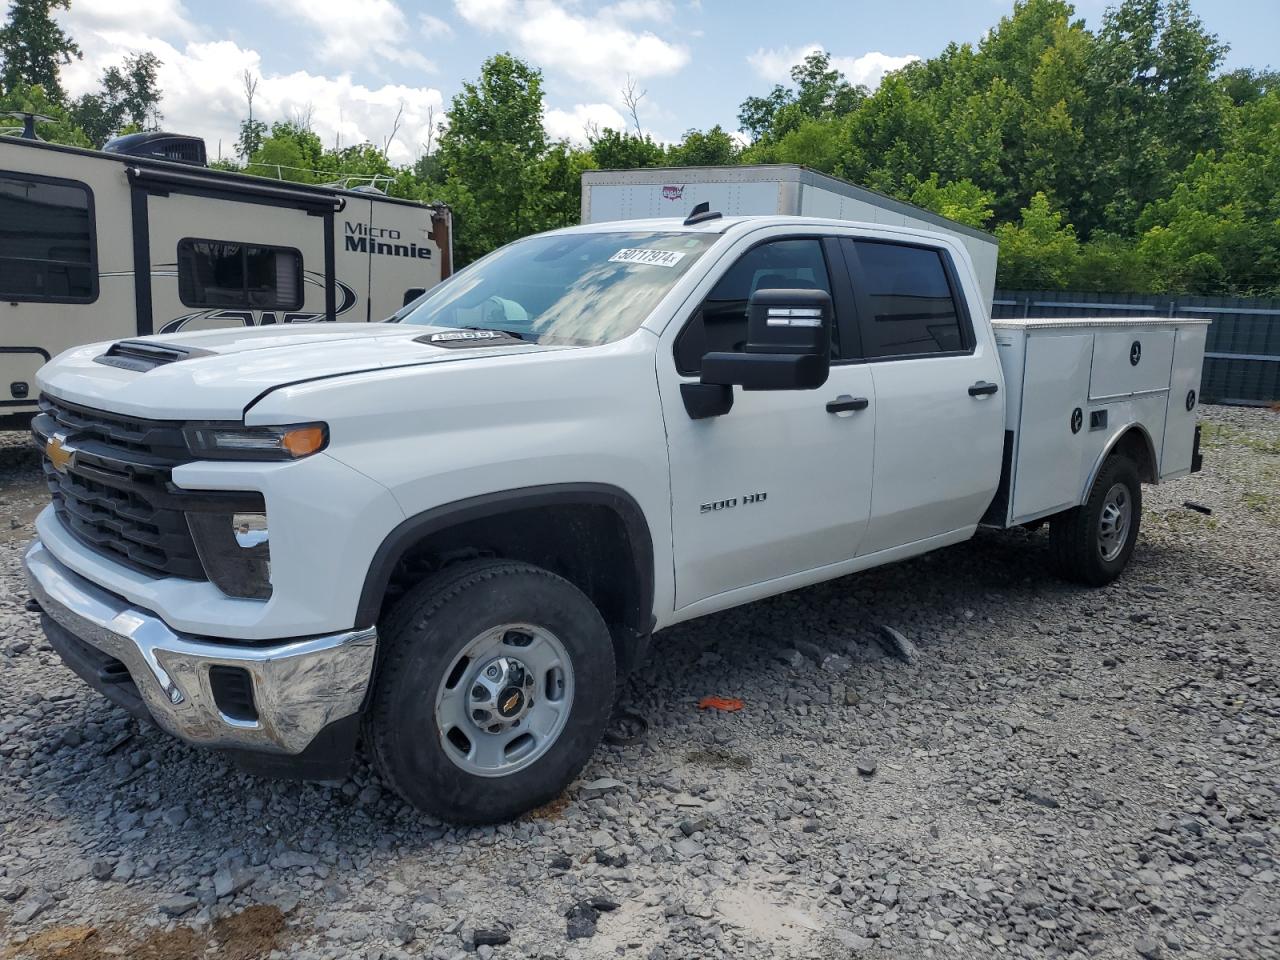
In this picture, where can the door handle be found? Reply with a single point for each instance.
(983, 389)
(845, 403)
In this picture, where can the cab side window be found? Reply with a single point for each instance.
(914, 310)
(720, 322)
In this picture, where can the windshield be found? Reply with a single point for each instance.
(578, 288)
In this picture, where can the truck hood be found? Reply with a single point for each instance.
(218, 374)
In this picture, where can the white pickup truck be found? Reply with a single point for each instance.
(450, 533)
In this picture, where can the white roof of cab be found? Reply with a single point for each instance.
(722, 225)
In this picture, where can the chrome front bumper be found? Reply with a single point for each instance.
(299, 686)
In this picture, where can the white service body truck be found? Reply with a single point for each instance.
(453, 531)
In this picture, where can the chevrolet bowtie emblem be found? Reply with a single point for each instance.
(60, 453)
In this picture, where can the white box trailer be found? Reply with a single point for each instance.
(769, 189)
(143, 238)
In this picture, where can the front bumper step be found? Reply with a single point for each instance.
(299, 687)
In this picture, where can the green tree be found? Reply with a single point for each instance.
(619, 150)
(61, 127)
(1157, 105)
(130, 97)
(292, 152)
(33, 47)
(820, 92)
(1218, 231)
(960, 200)
(1038, 253)
(712, 148)
(489, 156)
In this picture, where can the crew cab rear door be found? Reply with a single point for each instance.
(939, 433)
(780, 485)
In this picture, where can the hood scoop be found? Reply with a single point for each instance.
(140, 356)
(468, 338)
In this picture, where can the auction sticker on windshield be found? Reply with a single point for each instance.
(656, 258)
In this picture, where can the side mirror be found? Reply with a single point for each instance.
(412, 294)
(788, 344)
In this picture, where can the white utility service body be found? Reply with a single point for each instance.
(637, 422)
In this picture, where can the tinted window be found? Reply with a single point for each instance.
(216, 273)
(46, 240)
(720, 324)
(913, 310)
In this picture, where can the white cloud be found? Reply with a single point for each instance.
(657, 10)
(355, 32)
(869, 69)
(598, 50)
(161, 17)
(433, 27)
(573, 125)
(203, 91)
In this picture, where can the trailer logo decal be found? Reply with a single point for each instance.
(263, 318)
(362, 238)
(672, 192)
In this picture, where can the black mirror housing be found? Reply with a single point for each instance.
(788, 344)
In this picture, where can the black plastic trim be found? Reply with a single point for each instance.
(327, 757)
(93, 238)
(184, 180)
(95, 668)
(138, 215)
(416, 528)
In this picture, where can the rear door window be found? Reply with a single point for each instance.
(912, 306)
(47, 240)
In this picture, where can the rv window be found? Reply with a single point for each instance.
(47, 249)
(217, 273)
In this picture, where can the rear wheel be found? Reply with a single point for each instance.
(1092, 543)
(494, 688)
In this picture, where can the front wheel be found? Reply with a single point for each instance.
(1092, 543)
(495, 686)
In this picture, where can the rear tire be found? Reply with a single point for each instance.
(494, 685)
(1092, 543)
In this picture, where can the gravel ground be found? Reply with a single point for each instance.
(1053, 772)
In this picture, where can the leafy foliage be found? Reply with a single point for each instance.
(33, 47)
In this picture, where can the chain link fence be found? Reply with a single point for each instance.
(1242, 355)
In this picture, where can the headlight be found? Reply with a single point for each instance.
(235, 551)
(230, 442)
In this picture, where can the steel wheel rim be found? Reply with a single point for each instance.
(1114, 521)
(504, 700)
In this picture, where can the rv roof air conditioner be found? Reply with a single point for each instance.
(174, 147)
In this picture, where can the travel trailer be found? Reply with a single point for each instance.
(765, 189)
(142, 237)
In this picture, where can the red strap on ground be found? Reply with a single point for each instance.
(728, 704)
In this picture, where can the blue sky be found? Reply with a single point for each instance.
(351, 65)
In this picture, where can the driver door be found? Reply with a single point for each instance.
(779, 486)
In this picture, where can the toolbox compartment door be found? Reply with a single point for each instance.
(1129, 361)
(1184, 399)
(1050, 453)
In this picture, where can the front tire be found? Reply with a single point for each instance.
(1092, 543)
(495, 684)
